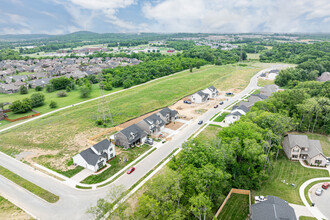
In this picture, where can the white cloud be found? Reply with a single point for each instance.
(15, 31)
(237, 16)
(16, 19)
(84, 11)
(48, 14)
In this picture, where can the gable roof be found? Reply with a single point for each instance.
(153, 119)
(314, 148)
(89, 156)
(296, 139)
(325, 76)
(169, 111)
(273, 208)
(101, 146)
(201, 93)
(212, 88)
(133, 133)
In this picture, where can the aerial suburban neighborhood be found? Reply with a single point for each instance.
(164, 110)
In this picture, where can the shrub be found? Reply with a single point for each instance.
(21, 106)
(68, 89)
(62, 94)
(53, 104)
(60, 83)
(39, 88)
(84, 91)
(37, 99)
(23, 90)
(49, 88)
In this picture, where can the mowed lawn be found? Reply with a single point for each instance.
(324, 140)
(61, 135)
(208, 134)
(290, 172)
(236, 208)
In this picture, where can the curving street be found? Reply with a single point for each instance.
(74, 202)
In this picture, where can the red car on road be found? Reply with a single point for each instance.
(325, 185)
(130, 170)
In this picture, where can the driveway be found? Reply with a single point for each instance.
(74, 202)
(321, 202)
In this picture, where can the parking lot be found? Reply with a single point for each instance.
(322, 201)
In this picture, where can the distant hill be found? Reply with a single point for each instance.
(24, 36)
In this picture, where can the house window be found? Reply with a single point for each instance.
(318, 162)
(295, 150)
(111, 155)
(110, 149)
(294, 156)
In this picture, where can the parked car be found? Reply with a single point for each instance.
(149, 141)
(216, 106)
(187, 102)
(130, 170)
(319, 191)
(200, 122)
(325, 185)
(328, 162)
(221, 103)
(257, 199)
(229, 93)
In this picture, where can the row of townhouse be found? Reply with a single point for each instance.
(202, 96)
(95, 157)
(244, 107)
(137, 133)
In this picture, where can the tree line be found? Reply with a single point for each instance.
(312, 60)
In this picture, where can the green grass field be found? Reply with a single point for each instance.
(221, 117)
(208, 134)
(10, 211)
(263, 82)
(63, 133)
(292, 173)
(129, 155)
(42, 193)
(237, 207)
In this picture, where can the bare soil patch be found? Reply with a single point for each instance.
(174, 125)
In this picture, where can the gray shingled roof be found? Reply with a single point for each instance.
(314, 148)
(263, 97)
(101, 146)
(324, 77)
(152, 120)
(166, 111)
(202, 94)
(273, 208)
(133, 133)
(300, 140)
(90, 157)
(212, 88)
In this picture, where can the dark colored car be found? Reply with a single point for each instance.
(130, 170)
(221, 103)
(229, 93)
(216, 106)
(325, 185)
(200, 122)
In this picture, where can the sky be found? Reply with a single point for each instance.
(127, 16)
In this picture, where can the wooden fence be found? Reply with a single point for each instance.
(107, 131)
(22, 118)
(237, 191)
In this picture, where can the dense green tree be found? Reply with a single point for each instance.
(37, 99)
(23, 90)
(21, 106)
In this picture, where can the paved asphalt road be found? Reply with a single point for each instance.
(73, 202)
(322, 201)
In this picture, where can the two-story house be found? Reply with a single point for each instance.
(168, 115)
(199, 97)
(95, 157)
(300, 147)
(211, 91)
(152, 124)
(130, 136)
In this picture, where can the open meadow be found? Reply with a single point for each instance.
(54, 139)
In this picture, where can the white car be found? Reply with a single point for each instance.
(319, 191)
